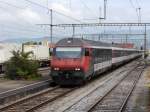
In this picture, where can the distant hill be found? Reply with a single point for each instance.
(23, 40)
(55, 39)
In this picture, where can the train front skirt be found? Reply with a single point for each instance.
(68, 77)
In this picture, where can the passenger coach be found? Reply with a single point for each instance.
(75, 60)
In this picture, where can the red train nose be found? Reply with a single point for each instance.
(67, 64)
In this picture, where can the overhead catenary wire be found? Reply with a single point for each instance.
(43, 8)
(99, 16)
(47, 8)
(85, 5)
(34, 3)
(131, 2)
(140, 16)
(137, 2)
(21, 34)
(3, 2)
(5, 9)
(137, 9)
(133, 6)
(21, 26)
(21, 30)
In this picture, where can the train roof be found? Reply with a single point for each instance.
(81, 42)
(89, 43)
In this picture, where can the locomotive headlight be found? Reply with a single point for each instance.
(77, 69)
(56, 68)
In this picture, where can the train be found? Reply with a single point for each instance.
(75, 60)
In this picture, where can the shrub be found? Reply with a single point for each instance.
(21, 67)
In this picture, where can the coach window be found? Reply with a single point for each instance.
(106, 54)
(109, 54)
(87, 52)
(54, 52)
(103, 54)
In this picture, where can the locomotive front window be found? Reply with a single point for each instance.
(68, 52)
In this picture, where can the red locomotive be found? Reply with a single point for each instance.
(76, 60)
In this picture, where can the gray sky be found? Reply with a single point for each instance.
(19, 18)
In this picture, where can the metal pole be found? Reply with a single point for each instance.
(99, 14)
(82, 37)
(73, 31)
(99, 37)
(105, 2)
(145, 42)
(51, 25)
(126, 38)
(139, 14)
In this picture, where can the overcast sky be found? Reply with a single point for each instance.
(19, 18)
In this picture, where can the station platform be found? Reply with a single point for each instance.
(20, 88)
(7, 85)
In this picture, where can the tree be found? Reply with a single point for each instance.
(20, 66)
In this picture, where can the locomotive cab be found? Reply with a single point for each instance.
(70, 64)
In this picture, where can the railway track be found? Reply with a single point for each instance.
(115, 100)
(17, 93)
(14, 94)
(91, 101)
(37, 100)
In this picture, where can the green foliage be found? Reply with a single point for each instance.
(21, 67)
(33, 43)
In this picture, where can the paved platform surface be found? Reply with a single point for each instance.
(139, 100)
(7, 85)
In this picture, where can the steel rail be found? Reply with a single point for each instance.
(49, 100)
(99, 100)
(130, 92)
(27, 98)
(99, 87)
